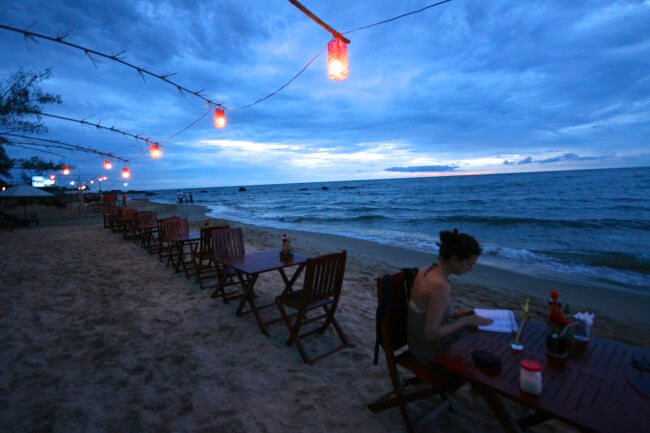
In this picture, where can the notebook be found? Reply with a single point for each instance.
(503, 320)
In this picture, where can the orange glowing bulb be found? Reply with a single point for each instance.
(126, 173)
(66, 170)
(53, 177)
(155, 151)
(337, 59)
(107, 165)
(219, 118)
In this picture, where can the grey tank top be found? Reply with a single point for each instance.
(423, 349)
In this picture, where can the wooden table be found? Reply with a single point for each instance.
(250, 266)
(589, 389)
(179, 242)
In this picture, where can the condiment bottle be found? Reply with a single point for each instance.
(530, 376)
(285, 244)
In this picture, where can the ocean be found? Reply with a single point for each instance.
(589, 226)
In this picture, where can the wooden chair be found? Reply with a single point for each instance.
(174, 227)
(321, 289)
(392, 337)
(203, 261)
(126, 222)
(109, 214)
(145, 222)
(163, 247)
(227, 244)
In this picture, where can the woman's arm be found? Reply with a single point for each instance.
(434, 329)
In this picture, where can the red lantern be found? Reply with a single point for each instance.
(126, 173)
(66, 170)
(219, 118)
(154, 150)
(337, 59)
(107, 165)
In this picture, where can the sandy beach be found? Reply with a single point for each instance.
(97, 335)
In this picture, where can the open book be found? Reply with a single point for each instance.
(503, 320)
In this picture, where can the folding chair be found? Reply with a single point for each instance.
(174, 227)
(126, 222)
(227, 244)
(393, 293)
(164, 247)
(321, 289)
(109, 214)
(145, 223)
(204, 263)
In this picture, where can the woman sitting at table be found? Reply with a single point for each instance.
(431, 323)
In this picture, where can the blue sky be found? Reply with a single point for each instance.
(466, 87)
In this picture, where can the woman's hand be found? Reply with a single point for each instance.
(474, 320)
(464, 312)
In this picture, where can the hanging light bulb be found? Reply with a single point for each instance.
(92, 181)
(66, 170)
(72, 182)
(53, 177)
(126, 184)
(126, 173)
(337, 59)
(154, 151)
(107, 165)
(104, 178)
(219, 118)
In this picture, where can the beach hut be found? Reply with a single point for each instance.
(24, 191)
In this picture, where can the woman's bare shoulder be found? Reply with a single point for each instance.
(428, 284)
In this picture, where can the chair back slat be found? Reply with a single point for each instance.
(394, 328)
(146, 218)
(205, 245)
(324, 277)
(128, 213)
(176, 227)
(227, 243)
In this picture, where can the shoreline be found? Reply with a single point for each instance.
(618, 304)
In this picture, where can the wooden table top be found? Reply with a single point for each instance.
(255, 263)
(588, 389)
(191, 236)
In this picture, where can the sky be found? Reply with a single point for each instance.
(467, 87)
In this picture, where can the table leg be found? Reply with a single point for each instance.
(248, 297)
(502, 413)
(288, 284)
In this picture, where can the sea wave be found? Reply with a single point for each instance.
(636, 224)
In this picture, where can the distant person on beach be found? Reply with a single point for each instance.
(123, 200)
(432, 325)
(191, 199)
(179, 196)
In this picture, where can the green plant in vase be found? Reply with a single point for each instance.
(524, 315)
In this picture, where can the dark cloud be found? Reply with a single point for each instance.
(560, 158)
(422, 168)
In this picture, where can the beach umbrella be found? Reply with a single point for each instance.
(24, 191)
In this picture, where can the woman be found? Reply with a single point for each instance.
(431, 323)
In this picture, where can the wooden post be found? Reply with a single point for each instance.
(318, 21)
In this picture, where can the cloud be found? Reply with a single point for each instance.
(564, 157)
(422, 168)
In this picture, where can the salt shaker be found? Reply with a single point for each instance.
(530, 376)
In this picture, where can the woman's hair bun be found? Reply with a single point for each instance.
(461, 245)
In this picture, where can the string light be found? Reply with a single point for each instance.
(107, 165)
(72, 182)
(104, 178)
(126, 173)
(219, 118)
(337, 59)
(66, 170)
(155, 151)
(53, 177)
(126, 184)
(92, 181)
